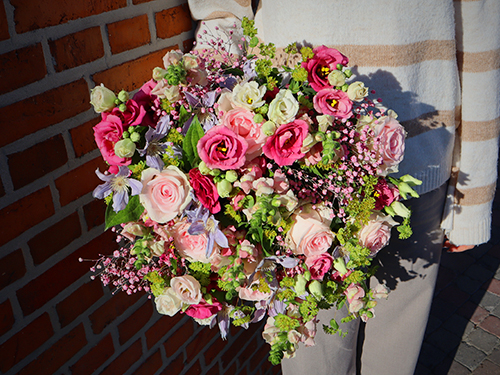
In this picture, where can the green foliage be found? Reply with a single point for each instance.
(201, 272)
(306, 53)
(157, 282)
(132, 212)
(285, 323)
(299, 74)
(404, 229)
(309, 308)
(230, 211)
(176, 74)
(193, 135)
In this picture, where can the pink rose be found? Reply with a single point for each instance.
(190, 246)
(355, 294)
(333, 102)
(319, 265)
(310, 233)
(376, 233)
(391, 135)
(222, 148)
(323, 62)
(384, 194)
(284, 146)
(205, 190)
(241, 121)
(204, 309)
(187, 288)
(248, 294)
(164, 194)
(132, 116)
(107, 133)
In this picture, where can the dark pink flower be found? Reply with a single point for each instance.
(324, 61)
(284, 146)
(319, 265)
(203, 309)
(107, 133)
(132, 116)
(385, 194)
(334, 103)
(205, 190)
(222, 148)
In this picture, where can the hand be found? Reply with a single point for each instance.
(456, 249)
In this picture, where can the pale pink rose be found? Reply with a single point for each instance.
(263, 186)
(319, 265)
(310, 233)
(364, 317)
(224, 103)
(380, 291)
(164, 194)
(354, 291)
(168, 303)
(391, 136)
(248, 294)
(172, 58)
(187, 288)
(281, 183)
(376, 233)
(270, 332)
(222, 148)
(308, 332)
(192, 247)
(241, 121)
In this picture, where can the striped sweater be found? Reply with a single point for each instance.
(435, 62)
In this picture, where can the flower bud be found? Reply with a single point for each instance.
(339, 66)
(124, 148)
(258, 118)
(231, 176)
(336, 78)
(269, 128)
(319, 137)
(348, 73)
(122, 107)
(102, 98)
(316, 289)
(300, 285)
(224, 188)
(357, 91)
(215, 172)
(204, 170)
(123, 96)
(135, 137)
(159, 73)
(126, 134)
(345, 87)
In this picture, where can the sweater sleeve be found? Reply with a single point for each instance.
(467, 217)
(218, 19)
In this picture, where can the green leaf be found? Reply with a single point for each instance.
(184, 115)
(132, 212)
(193, 135)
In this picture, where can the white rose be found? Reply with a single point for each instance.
(249, 95)
(159, 73)
(187, 288)
(168, 303)
(357, 91)
(102, 98)
(324, 122)
(172, 58)
(336, 78)
(283, 108)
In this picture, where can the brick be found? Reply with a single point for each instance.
(42, 289)
(469, 356)
(195, 369)
(77, 303)
(25, 341)
(492, 325)
(173, 21)
(161, 328)
(7, 320)
(94, 213)
(76, 49)
(12, 268)
(135, 2)
(129, 34)
(135, 322)
(43, 110)
(177, 365)
(94, 358)
(178, 339)
(20, 216)
(27, 166)
(493, 286)
(188, 44)
(4, 26)
(233, 349)
(111, 310)
(151, 365)
(212, 352)
(83, 139)
(21, 67)
(32, 15)
(125, 360)
(131, 75)
(63, 350)
(55, 238)
(203, 337)
(482, 340)
(80, 181)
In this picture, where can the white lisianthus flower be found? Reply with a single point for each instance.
(168, 303)
(357, 91)
(336, 78)
(102, 98)
(283, 108)
(249, 95)
(124, 148)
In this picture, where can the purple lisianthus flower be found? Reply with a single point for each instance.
(154, 148)
(118, 184)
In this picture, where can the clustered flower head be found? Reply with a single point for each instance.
(240, 188)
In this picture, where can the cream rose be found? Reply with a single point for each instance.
(102, 98)
(336, 78)
(164, 91)
(164, 194)
(376, 233)
(357, 91)
(168, 303)
(283, 108)
(187, 288)
(310, 234)
(249, 95)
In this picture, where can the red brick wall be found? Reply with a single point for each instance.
(53, 318)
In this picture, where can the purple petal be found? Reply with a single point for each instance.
(192, 100)
(186, 125)
(221, 239)
(210, 245)
(209, 98)
(123, 171)
(120, 200)
(104, 177)
(102, 191)
(258, 315)
(163, 126)
(135, 186)
(223, 325)
(154, 161)
(198, 227)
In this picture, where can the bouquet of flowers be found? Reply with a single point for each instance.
(240, 188)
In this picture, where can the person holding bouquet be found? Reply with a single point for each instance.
(437, 65)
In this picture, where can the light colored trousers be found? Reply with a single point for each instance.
(390, 343)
